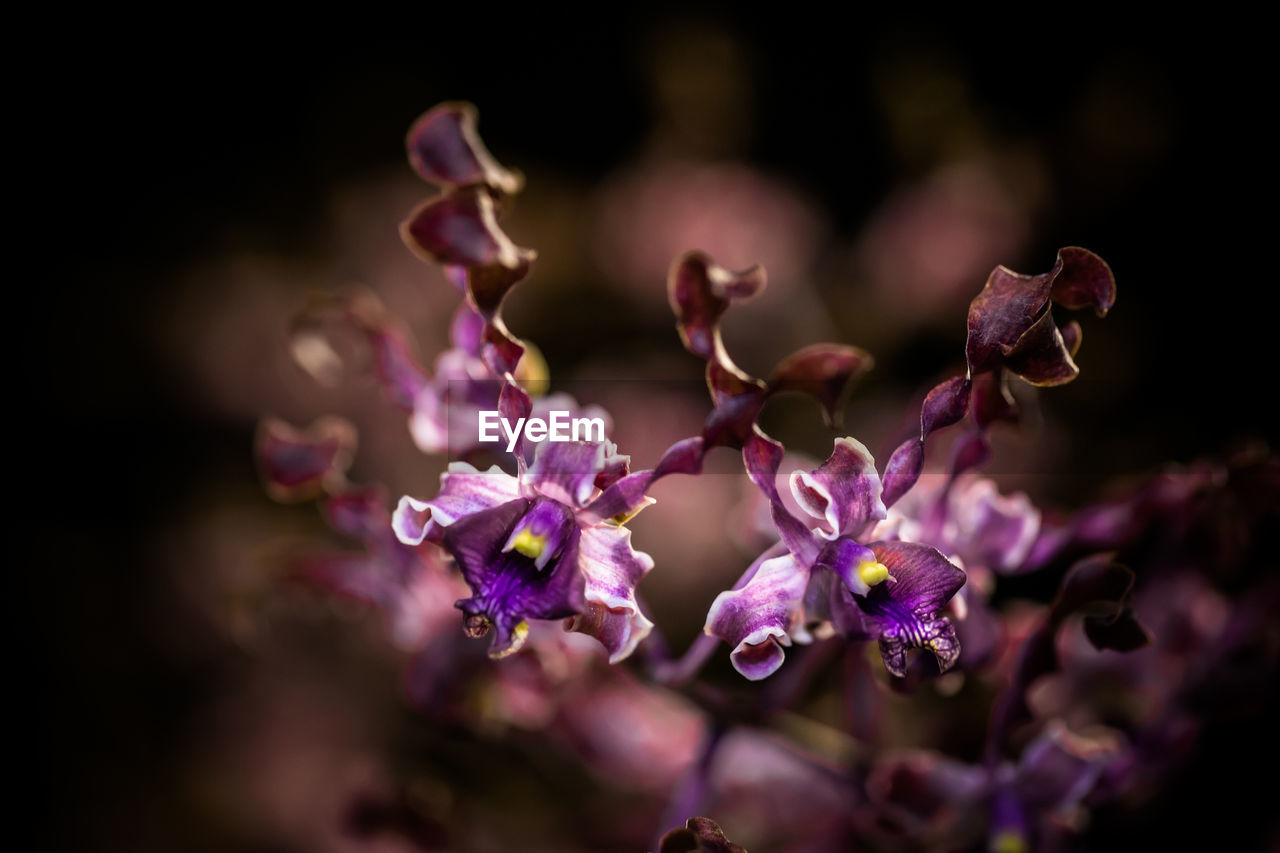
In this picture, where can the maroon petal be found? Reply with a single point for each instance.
(1086, 281)
(300, 464)
(700, 292)
(825, 372)
(1003, 317)
(445, 148)
(699, 835)
(461, 227)
(943, 406)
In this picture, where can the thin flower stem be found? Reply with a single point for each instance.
(690, 797)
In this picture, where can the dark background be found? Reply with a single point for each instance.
(148, 150)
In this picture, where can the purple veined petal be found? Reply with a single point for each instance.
(460, 227)
(464, 490)
(542, 533)
(920, 577)
(566, 470)
(501, 350)
(411, 520)
(612, 569)
(760, 618)
(299, 464)
(622, 499)
(445, 149)
(905, 609)
(936, 635)
(844, 491)
(507, 588)
(762, 457)
(825, 372)
(903, 470)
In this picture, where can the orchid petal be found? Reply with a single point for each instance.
(612, 569)
(566, 470)
(761, 615)
(465, 490)
(444, 148)
(844, 491)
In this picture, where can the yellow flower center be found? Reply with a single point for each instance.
(1009, 841)
(529, 544)
(872, 572)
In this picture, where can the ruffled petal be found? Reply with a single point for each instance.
(612, 568)
(762, 616)
(844, 491)
(465, 490)
(412, 520)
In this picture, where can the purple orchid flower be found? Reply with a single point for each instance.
(535, 546)
(889, 591)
